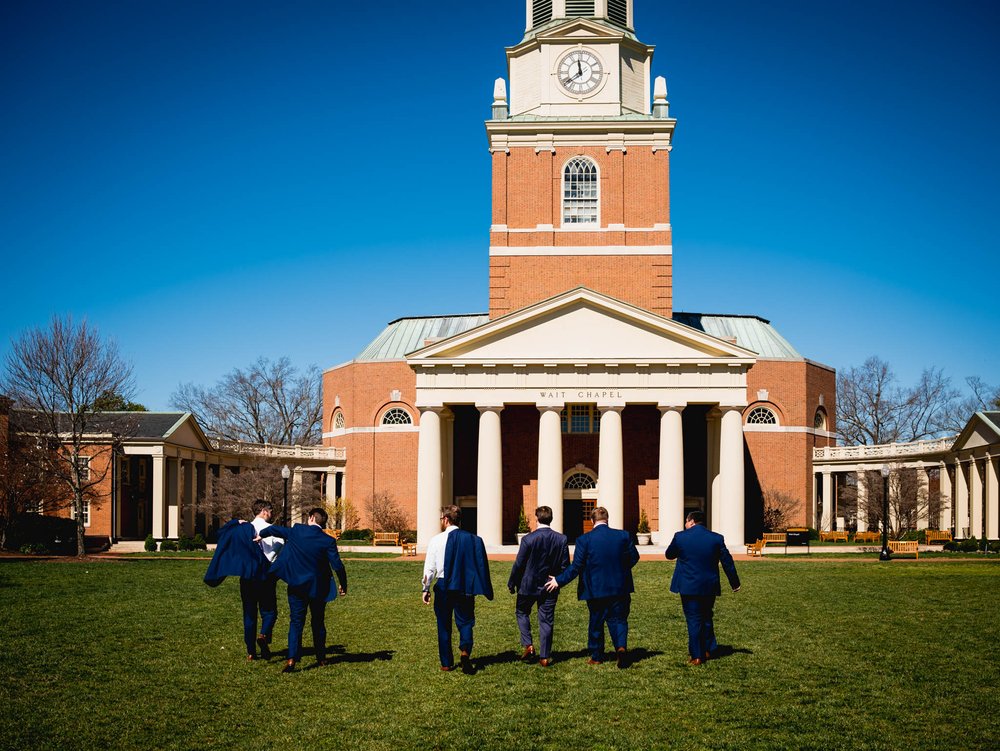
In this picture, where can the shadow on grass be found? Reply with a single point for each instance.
(338, 654)
(724, 650)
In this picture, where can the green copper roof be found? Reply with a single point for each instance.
(751, 332)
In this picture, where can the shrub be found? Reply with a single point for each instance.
(169, 545)
(198, 543)
(915, 534)
(951, 547)
(408, 535)
(522, 522)
(995, 546)
(643, 528)
(55, 533)
(813, 534)
(150, 544)
(969, 546)
(34, 548)
(356, 534)
(184, 543)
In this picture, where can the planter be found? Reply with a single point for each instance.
(644, 538)
(521, 536)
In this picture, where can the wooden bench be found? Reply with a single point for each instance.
(934, 535)
(904, 547)
(776, 538)
(334, 533)
(756, 549)
(870, 536)
(410, 548)
(833, 536)
(386, 538)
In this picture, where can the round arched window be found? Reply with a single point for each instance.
(580, 481)
(397, 416)
(338, 421)
(761, 416)
(819, 422)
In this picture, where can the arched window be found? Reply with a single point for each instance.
(819, 422)
(580, 481)
(397, 416)
(580, 191)
(338, 421)
(761, 416)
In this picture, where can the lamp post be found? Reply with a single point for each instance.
(285, 474)
(885, 555)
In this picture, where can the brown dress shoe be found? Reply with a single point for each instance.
(696, 661)
(289, 667)
(251, 658)
(322, 663)
(592, 661)
(447, 668)
(545, 662)
(529, 653)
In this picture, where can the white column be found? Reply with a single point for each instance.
(429, 476)
(330, 494)
(671, 504)
(611, 467)
(489, 480)
(159, 498)
(992, 499)
(712, 427)
(296, 503)
(961, 500)
(944, 484)
(862, 501)
(173, 499)
(731, 471)
(189, 504)
(923, 498)
(827, 522)
(550, 466)
(976, 498)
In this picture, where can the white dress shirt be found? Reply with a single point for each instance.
(270, 545)
(434, 562)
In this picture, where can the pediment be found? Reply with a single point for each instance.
(188, 434)
(979, 431)
(580, 27)
(582, 326)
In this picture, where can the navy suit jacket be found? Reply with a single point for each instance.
(603, 560)
(236, 554)
(306, 560)
(542, 554)
(699, 552)
(466, 567)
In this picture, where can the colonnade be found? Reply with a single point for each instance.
(726, 470)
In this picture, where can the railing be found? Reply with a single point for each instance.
(317, 453)
(885, 450)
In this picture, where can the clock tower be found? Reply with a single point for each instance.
(581, 162)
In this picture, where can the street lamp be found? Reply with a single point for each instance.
(885, 555)
(285, 474)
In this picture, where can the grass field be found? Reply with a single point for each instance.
(140, 654)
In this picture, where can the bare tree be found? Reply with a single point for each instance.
(779, 510)
(25, 486)
(872, 408)
(268, 402)
(55, 375)
(910, 499)
(982, 397)
(385, 514)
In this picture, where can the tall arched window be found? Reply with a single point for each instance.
(819, 421)
(580, 191)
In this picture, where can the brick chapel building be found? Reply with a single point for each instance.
(581, 385)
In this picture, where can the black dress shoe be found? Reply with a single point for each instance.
(466, 662)
(265, 651)
(621, 657)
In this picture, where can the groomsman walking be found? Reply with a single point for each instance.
(603, 560)
(542, 554)
(458, 570)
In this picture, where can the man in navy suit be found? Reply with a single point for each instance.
(457, 567)
(603, 560)
(698, 553)
(542, 554)
(237, 554)
(305, 563)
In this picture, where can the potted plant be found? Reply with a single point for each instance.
(642, 532)
(522, 526)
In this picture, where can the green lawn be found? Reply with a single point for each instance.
(828, 655)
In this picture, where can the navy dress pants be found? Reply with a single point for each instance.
(698, 612)
(298, 603)
(546, 619)
(258, 596)
(614, 612)
(463, 609)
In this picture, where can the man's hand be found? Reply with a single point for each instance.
(426, 598)
(551, 585)
(512, 590)
(256, 538)
(343, 592)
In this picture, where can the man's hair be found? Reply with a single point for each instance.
(319, 516)
(599, 514)
(698, 517)
(260, 505)
(543, 514)
(453, 514)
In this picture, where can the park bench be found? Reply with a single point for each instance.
(409, 548)
(385, 538)
(334, 533)
(870, 536)
(775, 538)
(834, 536)
(934, 535)
(904, 547)
(756, 549)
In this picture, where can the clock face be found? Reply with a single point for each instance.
(580, 72)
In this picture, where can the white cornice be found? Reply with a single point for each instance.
(583, 250)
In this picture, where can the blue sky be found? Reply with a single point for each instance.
(212, 182)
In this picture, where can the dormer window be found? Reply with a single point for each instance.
(580, 191)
